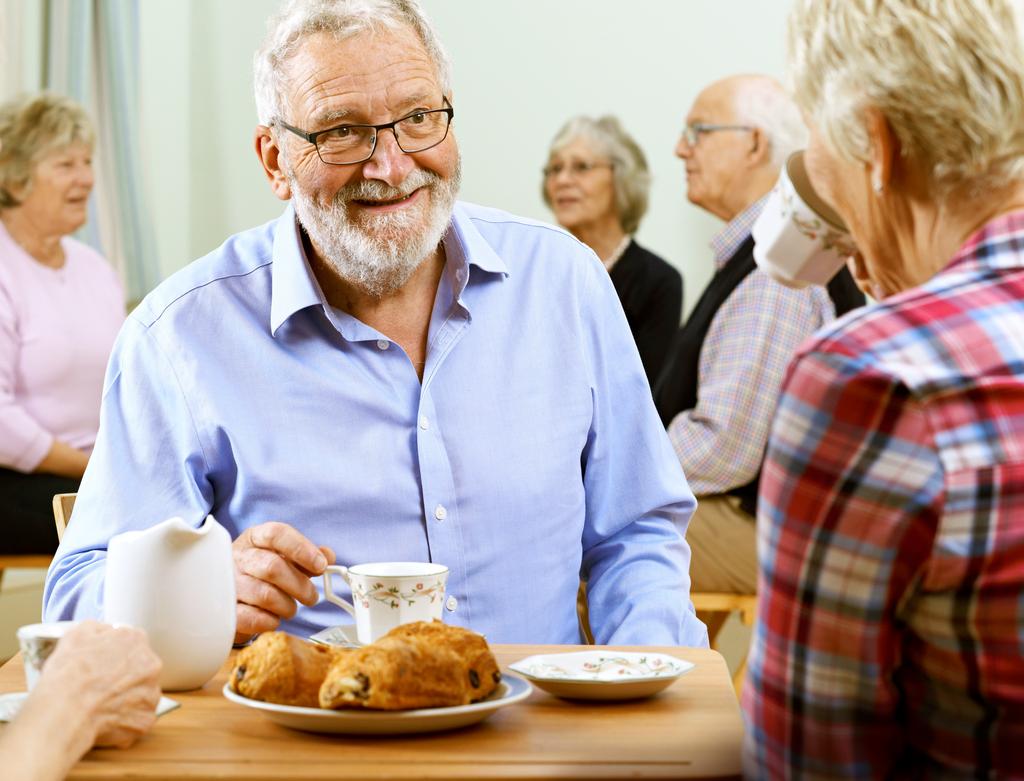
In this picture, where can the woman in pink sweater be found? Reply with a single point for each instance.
(61, 306)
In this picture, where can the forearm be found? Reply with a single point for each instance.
(45, 740)
(638, 587)
(63, 460)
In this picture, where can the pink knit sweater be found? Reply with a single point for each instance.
(57, 327)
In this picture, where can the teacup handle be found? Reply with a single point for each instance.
(329, 594)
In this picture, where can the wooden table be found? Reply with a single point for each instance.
(691, 730)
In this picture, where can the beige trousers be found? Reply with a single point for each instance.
(723, 547)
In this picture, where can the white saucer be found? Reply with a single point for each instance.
(369, 722)
(602, 675)
(10, 704)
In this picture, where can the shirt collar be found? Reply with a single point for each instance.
(729, 239)
(294, 287)
(993, 245)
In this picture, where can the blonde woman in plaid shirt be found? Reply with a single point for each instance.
(891, 515)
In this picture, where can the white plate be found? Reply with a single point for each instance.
(369, 722)
(10, 704)
(602, 675)
(343, 635)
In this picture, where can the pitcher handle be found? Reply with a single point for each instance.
(329, 594)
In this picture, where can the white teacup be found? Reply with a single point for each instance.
(37, 642)
(799, 240)
(387, 594)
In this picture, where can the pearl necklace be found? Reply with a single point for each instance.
(617, 253)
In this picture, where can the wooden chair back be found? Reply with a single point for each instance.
(714, 608)
(63, 504)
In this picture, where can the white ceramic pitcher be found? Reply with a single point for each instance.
(176, 582)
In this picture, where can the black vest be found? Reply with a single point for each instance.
(676, 388)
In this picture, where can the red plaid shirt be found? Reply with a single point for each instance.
(890, 640)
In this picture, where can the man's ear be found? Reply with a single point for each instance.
(270, 155)
(759, 153)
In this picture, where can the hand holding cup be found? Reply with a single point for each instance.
(90, 684)
(273, 566)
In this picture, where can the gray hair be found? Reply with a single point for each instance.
(31, 128)
(341, 19)
(948, 75)
(762, 102)
(630, 177)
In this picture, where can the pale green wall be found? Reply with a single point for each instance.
(521, 68)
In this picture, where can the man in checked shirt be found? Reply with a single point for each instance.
(718, 390)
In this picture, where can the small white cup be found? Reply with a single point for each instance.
(799, 240)
(387, 594)
(37, 642)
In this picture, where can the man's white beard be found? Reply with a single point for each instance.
(378, 254)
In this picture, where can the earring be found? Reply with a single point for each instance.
(876, 185)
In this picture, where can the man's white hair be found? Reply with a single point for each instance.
(762, 102)
(340, 19)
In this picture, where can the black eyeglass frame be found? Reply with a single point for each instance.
(312, 137)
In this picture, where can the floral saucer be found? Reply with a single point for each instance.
(343, 635)
(602, 675)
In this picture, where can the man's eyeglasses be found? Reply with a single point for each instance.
(576, 168)
(693, 132)
(352, 144)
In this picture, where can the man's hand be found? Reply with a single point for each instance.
(273, 567)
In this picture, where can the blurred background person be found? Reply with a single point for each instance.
(891, 525)
(722, 378)
(596, 182)
(61, 305)
(99, 687)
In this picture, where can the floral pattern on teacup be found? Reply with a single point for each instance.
(38, 650)
(394, 597)
(815, 228)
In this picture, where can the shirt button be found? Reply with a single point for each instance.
(424, 423)
(383, 344)
(440, 513)
(451, 604)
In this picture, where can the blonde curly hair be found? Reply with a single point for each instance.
(948, 75)
(31, 127)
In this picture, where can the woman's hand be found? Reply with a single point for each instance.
(63, 460)
(99, 687)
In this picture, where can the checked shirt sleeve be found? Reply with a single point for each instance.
(850, 498)
(721, 441)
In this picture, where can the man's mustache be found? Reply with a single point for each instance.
(371, 190)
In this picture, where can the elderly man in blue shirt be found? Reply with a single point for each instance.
(386, 374)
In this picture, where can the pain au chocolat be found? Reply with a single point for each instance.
(417, 665)
(283, 669)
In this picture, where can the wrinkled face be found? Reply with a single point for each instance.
(844, 185)
(579, 183)
(58, 191)
(714, 172)
(375, 221)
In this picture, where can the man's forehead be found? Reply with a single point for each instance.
(330, 76)
(715, 103)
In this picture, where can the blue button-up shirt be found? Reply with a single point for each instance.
(530, 452)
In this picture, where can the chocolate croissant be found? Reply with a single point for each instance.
(282, 669)
(418, 665)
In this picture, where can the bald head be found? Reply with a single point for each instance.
(762, 102)
(729, 168)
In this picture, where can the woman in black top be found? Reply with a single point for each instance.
(596, 182)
